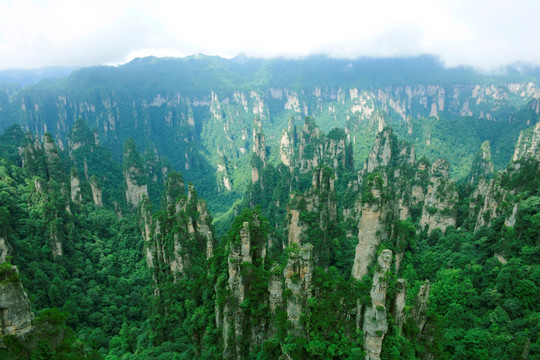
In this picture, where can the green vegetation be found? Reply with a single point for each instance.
(273, 279)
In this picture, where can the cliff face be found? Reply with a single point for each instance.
(15, 314)
(50, 183)
(136, 179)
(440, 201)
(375, 317)
(392, 194)
(258, 162)
(135, 192)
(97, 196)
(496, 197)
(309, 147)
(175, 110)
(395, 187)
(182, 236)
(241, 329)
(298, 276)
(419, 312)
(210, 128)
(4, 249)
(371, 230)
(315, 212)
(489, 201)
(528, 144)
(233, 316)
(287, 144)
(482, 166)
(75, 188)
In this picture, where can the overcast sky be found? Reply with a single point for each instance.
(486, 34)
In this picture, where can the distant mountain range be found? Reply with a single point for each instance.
(199, 112)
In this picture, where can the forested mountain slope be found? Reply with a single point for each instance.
(271, 209)
(198, 112)
(390, 260)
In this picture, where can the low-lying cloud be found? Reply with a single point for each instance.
(482, 34)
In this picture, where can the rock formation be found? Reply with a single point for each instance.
(15, 314)
(319, 205)
(482, 165)
(399, 303)
(287, 145)
(370, 228)
(298, 274)
(96, 191)
(439, 210)
(258, 162)
(419, 312)
(528, 144)
(75, 185)
(173, 242)
(4, 249)
(496, 197)
(375, 323)
(134, 174)
(308, 148)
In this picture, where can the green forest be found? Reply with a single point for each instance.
(154, 228)
(99, 298)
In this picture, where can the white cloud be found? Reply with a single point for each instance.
(485, 34)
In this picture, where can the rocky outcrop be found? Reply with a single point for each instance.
(381, 152)
(487, 201)
(482, 165)
(96, 191)
(528, 144)
(81, 137)
(5, 249)
(375, 323)
(173, 242)
(316, 209)
(309, 147)
(32, 157)
(496, 197)
(55, 244)
(15, 314)
(239, 254)
(42, 161)
(295, 227)
(241, 329)
(135, 192)
(385, 196)
(287, 145)
(399, 303)
(222, 174)
(55, 169)
(135, 176)
(275, 288)
(148, 231)
(440, 203)
(337, 153)
(202, 226)
(258, 161)
(298, 276)
(419, 312)
(75, 186)
(371, 230)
